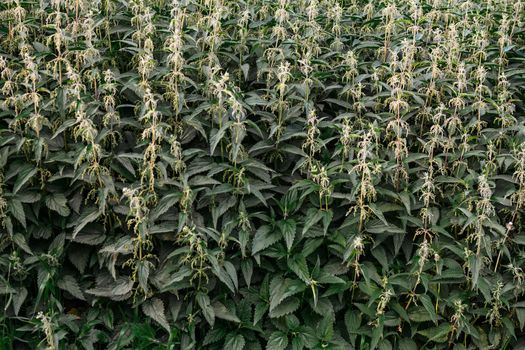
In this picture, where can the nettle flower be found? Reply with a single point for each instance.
(458, 319)
(312, 143)
(350, 62)
(494, 313)
(335, 13)
(484, 205)
(346, 137)
(517, 273)
(518, 197)
(356, 249)
(283, 75)
(384, 297)
(428, 189)
(85, 129)
(320, 177)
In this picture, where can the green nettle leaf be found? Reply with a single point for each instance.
(217, 137)
(69, 284)
(277, 290)
(223, 313)
(5, 288)
(165, 203)
(143, 269)
(88, 215)
(519, 239)
(288, 228)
(419, 314)
(21, 242)
(476, 264)
(226, 275)
(17, 210)
(352, 321)
(407, 344)
(264, 237)
(24, 175)
(247, 270)
(286, 307)
(278, 341)
(377, 334)
(18, 299)
(234, 342)
(117, 289)
(244, 237)
(427, 303)
(520, 313)
(259, 312)
(154, 308)
(437, 334)
(232, 273)
(312, 217)
(213, 336)
(207, 310)
(380, 254)
(297, 264)
(58, 202)
(297, 343)
(123, 287)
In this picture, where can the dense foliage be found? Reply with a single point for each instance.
(262, 174)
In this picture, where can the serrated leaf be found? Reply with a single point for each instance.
(213, 336)
(143, 274)
(377, 334)
(5, 288)
(277, 289)
(288, 229)
(58, 202)
(407, 344)
(217, 137)
(235, 342)
(260, 310)
(286, 307)
(264, 238)
(352, 321)
(16, 208)
(79, 258)
(427, 304)
(21, 242)
(313, 216)
(247, 270)
(165, 204)
(18, 299)
(207, 310)
(223, 313)
(232, 273)
(223, 275)
(520, 313)
(24, 174)
(297, 264)
(70, 284)
(297, 343)
(419, 314)
(437, 334)
(154, 308)
(280, 289)
(88, 215)
(120, 288)
(277, 341)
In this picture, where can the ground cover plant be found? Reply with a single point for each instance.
(262, 174)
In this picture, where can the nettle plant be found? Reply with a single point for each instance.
(262, 174)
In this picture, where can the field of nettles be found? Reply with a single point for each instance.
(262, 174)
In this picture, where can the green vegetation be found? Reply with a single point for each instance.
(262, 174)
